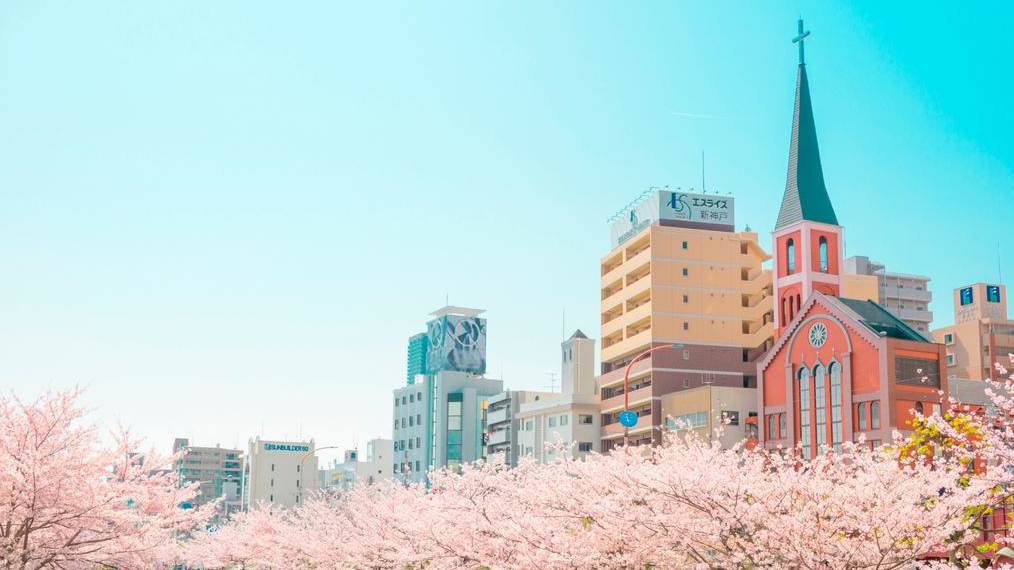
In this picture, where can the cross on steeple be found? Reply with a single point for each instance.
(799, 40)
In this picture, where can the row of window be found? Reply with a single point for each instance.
(399, 445)
(401, 468)
(411, 421)
(582, 446)
(562, 420)
(790, 255)
(405, 400)
(867, 418)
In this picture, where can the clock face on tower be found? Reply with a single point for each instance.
(817, 335)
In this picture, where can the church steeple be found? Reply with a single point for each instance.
(805, 194)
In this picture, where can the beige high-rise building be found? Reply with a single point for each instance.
(982, 334)
(905, 295)
(279, 473)
(679, 274)
(218, 471)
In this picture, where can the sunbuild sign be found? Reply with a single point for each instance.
(676, 207)
(286, 447)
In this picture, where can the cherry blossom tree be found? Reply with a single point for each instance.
(67, 501)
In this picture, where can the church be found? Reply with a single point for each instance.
(839, 368)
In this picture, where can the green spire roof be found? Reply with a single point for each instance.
(805, 194)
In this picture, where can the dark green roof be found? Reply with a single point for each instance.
(880, 320)
(805, 194)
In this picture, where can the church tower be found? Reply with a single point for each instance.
(808, 242)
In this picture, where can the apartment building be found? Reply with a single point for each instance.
(905, 295)
(500, 432)
(678, 274)
(217, 470)
(570, 418)
(982, 334)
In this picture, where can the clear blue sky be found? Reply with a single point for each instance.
(228, 216)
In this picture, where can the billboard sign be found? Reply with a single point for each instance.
(706, 211)
(456, 343)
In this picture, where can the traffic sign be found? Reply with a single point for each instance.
(628, 418)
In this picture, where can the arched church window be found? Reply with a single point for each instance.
(861, 420)
(790, 256)
(875, 415)
(918, 407)
(822, 247)
(836, 430)
(804, 410)
(784, 320)
(819, 405)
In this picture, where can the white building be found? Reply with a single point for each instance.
(279, 473)
(376, 466)
(571, 417)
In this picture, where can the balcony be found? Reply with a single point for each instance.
(913, 315)
(637, 342)
(616, 376)
(498, 416)
(637, 397)
(615, 429)
(498, 437)
(905, 293)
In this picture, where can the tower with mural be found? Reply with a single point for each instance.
(808, 242)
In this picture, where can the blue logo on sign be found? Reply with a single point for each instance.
(628, 418)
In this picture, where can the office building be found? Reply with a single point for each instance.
(906, 295)
(438, 420)
(704, 409)
(501, 430)
(418, 346)
(279, 473)
(841, 368)
(571, 418)
(678, 273)
(219, 472)
(376, 466)
(982, 334)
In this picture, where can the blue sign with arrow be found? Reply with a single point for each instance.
(628, 418)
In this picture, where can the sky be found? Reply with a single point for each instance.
(225, 219)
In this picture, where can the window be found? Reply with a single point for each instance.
(875, 415)
(822, 248)
(411, 421)
(418, 442)
(418, 396)
(397, 401)
(861, 416)
(685, 245)
(836, 431)
(819, 405)
(529, 425)
(790, 256)
(454, 405)
(804, 410)
(272, 483)
(395, 423)
(686, 382)
(730, 417)
(271, 497)
(417, 465)
(949, 338)
(585, 419)
(418, 419)
(950, 359)
(564, 420)
(404, 400)
(411, 398)
(686, 355)
(686, 272)
(410, 444)
(772, 434)
(272, 467)
(297, 482)
(781, 424)
(585, 446)
(686, 299)
(687, 421)
(552, 421)
(992, 293)
(686, 325)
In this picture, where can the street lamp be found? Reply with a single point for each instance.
(628, 418)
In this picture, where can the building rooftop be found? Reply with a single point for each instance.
(578, 334)
(458, 311)
(879, 319)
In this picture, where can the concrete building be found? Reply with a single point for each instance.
(571, 417)
(907, 296)
(279, 473)
(705, 408)
(982, 334)
(376, 466)
(501, 430)
(678, 273)
(219, 472)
